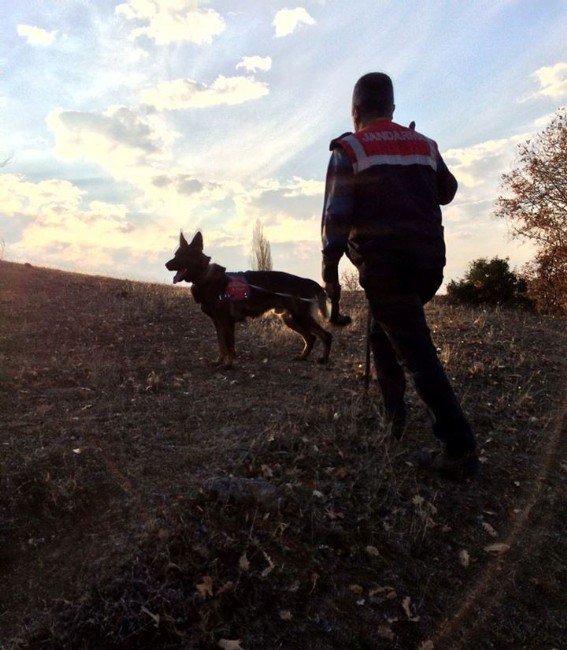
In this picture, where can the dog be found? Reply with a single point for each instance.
(229, 298)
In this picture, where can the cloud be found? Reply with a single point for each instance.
(36, 35)
(290, 210)
(286, 21)
(552, 80)
(184, 183)
(64, 230)
(118, 140)
(42, 200)
(543, 121)
(303, 187)
(171, 21)
(135, 146)
(253, 63)
(61, 227)
(178, 188)
(470, 226)
(186, 93)
(289, 189)
(285, 228)
(481, 163)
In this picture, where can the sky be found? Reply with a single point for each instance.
(123, 123)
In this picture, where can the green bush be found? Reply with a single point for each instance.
(489, 282)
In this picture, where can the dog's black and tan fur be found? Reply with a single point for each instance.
(296, 300)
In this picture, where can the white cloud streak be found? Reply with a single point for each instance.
(186, 93)
(552, 81)
(171, 21)
(303, 187)
(286, 21)
(36, 35)
(253, 63)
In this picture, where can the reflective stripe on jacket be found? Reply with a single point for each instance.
(398, 182)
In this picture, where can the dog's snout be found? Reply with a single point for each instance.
(169, 265)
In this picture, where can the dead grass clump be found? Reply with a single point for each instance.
(342, 556)
(222, 566)
(54, 481)
(148, 301)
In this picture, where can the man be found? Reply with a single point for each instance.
(385, 183)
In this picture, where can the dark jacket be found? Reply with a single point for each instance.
(383, 193)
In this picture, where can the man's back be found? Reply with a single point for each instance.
(399, 181)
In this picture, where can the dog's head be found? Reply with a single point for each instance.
(189, 260)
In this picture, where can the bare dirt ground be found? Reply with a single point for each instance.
(149, 500)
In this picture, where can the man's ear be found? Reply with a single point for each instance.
(355, 113)
(182, 241)
(198, 242)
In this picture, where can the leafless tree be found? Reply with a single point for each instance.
(261, 255)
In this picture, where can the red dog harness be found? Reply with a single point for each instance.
(237, 288)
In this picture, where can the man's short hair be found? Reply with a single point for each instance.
(373, 94)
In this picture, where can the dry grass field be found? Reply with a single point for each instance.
(150, 500)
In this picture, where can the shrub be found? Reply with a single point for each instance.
(349, 280)
(489, 282)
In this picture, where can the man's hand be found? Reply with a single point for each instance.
(333, 290)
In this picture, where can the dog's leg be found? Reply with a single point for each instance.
(223, 349)
(294, 324)
(326, 338)
(228, 331)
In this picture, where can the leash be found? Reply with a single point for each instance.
(367, 360)
(283, 295)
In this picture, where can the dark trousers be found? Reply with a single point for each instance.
(400, 338)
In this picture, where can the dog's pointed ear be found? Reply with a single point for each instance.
(198, 242)
(182, 241)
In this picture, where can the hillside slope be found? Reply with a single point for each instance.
(119, 526)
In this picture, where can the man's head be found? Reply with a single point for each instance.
(372, 98)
